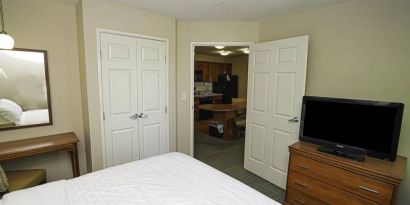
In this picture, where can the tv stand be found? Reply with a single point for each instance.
(350, 153)
(316, 177)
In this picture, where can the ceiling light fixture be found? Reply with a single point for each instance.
(219, 46)
(6, 41)
(224, 53)
(245, 50)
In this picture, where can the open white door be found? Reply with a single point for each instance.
(276, 85)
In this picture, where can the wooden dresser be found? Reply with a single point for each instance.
(319, 178)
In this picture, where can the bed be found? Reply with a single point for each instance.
(172, 178)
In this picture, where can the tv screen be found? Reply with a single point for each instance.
(373, 126)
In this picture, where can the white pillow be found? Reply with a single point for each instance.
(10, 110)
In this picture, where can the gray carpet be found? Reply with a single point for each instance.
(228, 158)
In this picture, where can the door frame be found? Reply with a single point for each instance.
(192, 83)
(99, 31)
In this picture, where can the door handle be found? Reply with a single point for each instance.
(134, 116)
(293, 120)
(142, 115)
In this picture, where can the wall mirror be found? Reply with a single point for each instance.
(24, 89)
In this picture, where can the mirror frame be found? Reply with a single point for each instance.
(50, 113)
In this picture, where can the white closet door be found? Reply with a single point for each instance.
(152, 97)
(119, 83)
(277, 75)
(134, 98)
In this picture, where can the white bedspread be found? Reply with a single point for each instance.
(172, 178)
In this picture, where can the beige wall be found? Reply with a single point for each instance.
(102, 14)
(358, 49)
(240, 68)
(49, 26)
(188, 32)
(83, 83)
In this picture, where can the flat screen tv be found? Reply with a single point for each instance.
(369, 125)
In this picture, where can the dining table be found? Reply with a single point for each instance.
(226, 114)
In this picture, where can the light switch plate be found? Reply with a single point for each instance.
(183, 96)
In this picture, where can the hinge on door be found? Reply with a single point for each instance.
(166, 109)
(165, 59)
(101, 53)
(103, 115)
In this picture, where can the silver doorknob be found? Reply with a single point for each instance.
(294, 120)
(142, 115)
(134, 116)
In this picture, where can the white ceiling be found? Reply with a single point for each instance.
(235, 10)
(220, 10)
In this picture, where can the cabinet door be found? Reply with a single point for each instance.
(228, 68)
(205, 71)
(213, 72)
(220, 70)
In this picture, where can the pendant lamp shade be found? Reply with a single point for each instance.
(6, 41)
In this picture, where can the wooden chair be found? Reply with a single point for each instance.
(23, 179)
(240, 120)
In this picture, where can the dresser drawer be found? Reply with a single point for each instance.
(366, 187)
(293, 196)
(326, 193)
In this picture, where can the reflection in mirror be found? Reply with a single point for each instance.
(24, 89)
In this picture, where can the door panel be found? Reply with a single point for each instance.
(257, 141)
(121, 146)
(151, 140)
(119, 82)
(260, 91)
(285, 95)
(120, 92)
(151, 74)
(151, 100)
(277, 74)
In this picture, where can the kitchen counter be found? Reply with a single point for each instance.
(207, 95)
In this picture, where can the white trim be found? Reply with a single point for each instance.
(99, 31)
(191, 80)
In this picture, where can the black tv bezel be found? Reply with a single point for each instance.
(381, 155)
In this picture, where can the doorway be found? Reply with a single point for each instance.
(277, 78)
(220, 80)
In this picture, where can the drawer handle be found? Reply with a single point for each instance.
(368, 189)
(300, 184)
(303, 167)
(299, 201)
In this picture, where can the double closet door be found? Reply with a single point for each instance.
(134, 98)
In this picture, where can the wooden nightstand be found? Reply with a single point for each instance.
(319, 178)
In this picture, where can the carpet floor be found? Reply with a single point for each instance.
(227, 156)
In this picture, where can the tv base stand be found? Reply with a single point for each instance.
(358, 155)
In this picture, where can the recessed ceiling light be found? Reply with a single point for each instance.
(245, 50)
(224, 53)
(219, 46)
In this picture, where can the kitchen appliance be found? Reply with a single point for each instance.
(228, 86)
